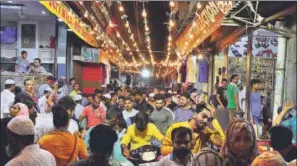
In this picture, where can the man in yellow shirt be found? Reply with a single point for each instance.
(203, 133)
(139, 134)
(75, 91)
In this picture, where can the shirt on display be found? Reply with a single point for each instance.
(203, 71)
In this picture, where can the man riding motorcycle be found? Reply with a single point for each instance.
(136, 143)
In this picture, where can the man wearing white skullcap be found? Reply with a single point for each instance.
(79, 107)
(7, 97)
(21, 131)
(43, 106)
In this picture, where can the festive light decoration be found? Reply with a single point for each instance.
(127, 25)
(148, 41)
(172, 4)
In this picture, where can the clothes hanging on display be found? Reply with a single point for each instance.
(191, 70)
(203, 71)
(182, 73)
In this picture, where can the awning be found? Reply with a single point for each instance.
(59, 9)
(207, 21)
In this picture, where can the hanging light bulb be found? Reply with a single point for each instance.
(144, 14)
(147, 28)
(121, 8)
(111, 24)
(96, 28)
(127, 24)
(86, 15)
(169, 38)
(171, 4)
(171, 23)
(199, 5)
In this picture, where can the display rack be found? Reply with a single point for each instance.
(262, 68)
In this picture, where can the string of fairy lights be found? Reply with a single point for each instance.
(159, 69)
(127, 25)
(147, 35)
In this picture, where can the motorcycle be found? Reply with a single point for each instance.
(144, 156)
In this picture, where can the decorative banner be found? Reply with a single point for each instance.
(59, 9)
(204, 24)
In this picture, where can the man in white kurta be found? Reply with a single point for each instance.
(7, 97)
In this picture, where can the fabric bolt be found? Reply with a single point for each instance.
(33, 155)
(182, 115)
(162, 119)
(7, 100)
(94, 117)
(138, 139)
(170, 160)
(255, 107)
(23, 65)
(203, 71)
(60, 144)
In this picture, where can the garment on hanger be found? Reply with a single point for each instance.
(191, 71)
(203, 69)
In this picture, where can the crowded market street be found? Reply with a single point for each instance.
(148, 83)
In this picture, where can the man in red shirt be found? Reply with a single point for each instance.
(94, 113)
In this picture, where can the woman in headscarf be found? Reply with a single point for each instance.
(240, 147)
(19, 109)
(207, 156)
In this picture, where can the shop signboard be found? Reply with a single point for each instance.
(208, 19)
(59, 9)
(265, 45)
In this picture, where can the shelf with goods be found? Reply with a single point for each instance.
(262, 68)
